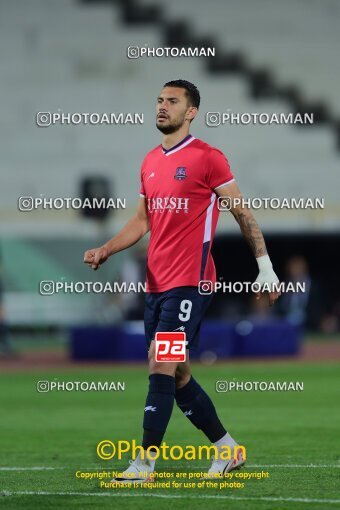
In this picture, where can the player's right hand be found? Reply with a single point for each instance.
(95, 257)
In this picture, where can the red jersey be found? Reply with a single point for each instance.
(179, 186)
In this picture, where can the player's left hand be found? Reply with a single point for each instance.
(268, 279)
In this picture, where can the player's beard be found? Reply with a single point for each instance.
(171, 127)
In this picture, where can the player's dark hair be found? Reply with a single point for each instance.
(192, 91)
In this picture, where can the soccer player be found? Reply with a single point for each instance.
(180, 182)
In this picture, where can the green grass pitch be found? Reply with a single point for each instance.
(46, 437)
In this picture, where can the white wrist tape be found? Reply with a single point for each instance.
(266, 276)
(264, 263)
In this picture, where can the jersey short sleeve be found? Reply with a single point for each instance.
(141, 189)
(218, 169)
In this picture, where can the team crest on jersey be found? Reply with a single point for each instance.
(181, 173)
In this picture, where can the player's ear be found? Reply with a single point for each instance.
(191, 113)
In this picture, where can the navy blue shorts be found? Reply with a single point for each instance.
(178, 309)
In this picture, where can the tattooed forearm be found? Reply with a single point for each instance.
(251, 232)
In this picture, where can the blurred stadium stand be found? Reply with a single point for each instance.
(70, 56)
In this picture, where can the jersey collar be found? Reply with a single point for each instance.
(183, 143)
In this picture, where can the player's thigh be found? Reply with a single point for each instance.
(182, 309)
(151, 315)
